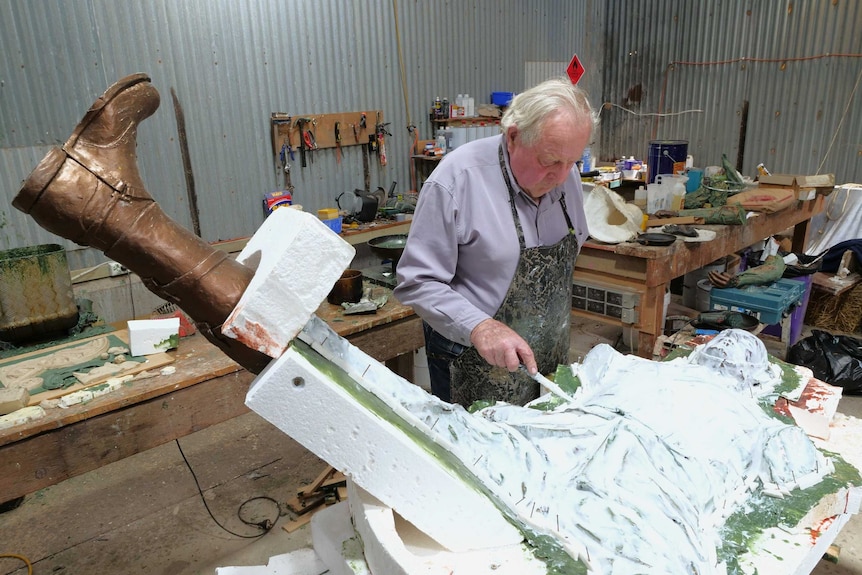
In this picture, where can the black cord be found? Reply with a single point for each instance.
(265, 525)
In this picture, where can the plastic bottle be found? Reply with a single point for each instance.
(586, 160)
(459, 102)
(441, 139)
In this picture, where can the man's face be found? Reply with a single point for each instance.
(540, 168)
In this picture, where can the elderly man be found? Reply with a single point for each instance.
(489, 259)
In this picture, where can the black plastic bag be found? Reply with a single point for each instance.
(835, 359)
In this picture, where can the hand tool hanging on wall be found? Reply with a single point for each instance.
(380, 130)
(337, 142)
(286, 150)
(300, 123)
(278, 133)
(310, 143)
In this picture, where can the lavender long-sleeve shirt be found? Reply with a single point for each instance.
(462, 250)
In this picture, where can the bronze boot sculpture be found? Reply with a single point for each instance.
(90, 191)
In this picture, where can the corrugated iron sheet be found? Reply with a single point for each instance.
(689, 70)
(662, 69)
(231, 64)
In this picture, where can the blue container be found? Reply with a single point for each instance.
(767, 303)
(666, 157)
(797, 318)
(334, 224)
(502, 98)
(695, 175)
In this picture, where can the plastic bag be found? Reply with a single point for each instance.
(835, 359)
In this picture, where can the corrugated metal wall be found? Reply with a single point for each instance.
(666, 69)
(676, 69)
(231, 64)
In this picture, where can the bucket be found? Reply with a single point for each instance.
(36, 299)
(666, 157)
(689, 282)
(704, 287)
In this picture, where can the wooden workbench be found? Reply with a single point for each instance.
(207, 388)
(647, 271)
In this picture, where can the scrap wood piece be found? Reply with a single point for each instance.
(302, 505)
(292, 526)
(322, 490)
(315, 485)
(832, 553)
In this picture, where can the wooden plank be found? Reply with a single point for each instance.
(64, 452)
(286, 128)
(834, 285)
(387, 342)
(315, 485)
(679, 220)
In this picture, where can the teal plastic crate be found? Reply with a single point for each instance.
(767, 303)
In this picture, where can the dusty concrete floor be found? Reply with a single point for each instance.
(144, 514)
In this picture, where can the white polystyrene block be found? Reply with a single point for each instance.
(303, 402)
(297, 259)
(299, 562)
(149, 336)
(395, 547)
(336, 542)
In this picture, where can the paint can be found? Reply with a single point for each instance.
(704, 290)
(691, 279)
(666, 157)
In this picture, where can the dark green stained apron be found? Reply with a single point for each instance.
(537, 307)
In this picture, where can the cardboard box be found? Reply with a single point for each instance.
(806, 187)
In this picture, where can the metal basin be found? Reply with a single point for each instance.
(389, 247)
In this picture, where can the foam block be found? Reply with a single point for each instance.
(297, 260)
(395, 547)
(306, 404)
(149, 336)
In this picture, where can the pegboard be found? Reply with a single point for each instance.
(290, 129)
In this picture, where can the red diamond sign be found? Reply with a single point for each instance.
(575, 69)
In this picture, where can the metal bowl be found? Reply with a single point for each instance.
(389, 247)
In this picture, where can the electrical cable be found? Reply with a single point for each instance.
(671, 66)
(265, 525)
(20, 557)
(667, 114)
(840, 122)
(88, 270)
(401, 65)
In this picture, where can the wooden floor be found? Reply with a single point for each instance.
(144, 514)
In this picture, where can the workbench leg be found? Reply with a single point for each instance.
(800, 234)
(651, 319)
(786, 323)
(402, 365)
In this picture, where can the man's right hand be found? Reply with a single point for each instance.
(500, 345)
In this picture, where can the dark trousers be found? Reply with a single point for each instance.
(441, 352)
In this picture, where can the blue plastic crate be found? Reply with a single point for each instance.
(334, 224)
(767, 303)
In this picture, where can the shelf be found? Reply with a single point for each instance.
(467, 120)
